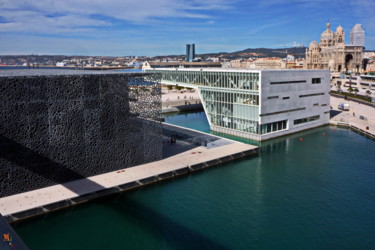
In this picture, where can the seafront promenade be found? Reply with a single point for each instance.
(193, 151)
(175, 101)
(360, 117)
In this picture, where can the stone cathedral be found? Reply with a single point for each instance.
(332, 53)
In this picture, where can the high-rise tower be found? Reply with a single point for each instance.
(357, 35)
(190, 52)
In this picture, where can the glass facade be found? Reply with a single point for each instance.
(273, 127)
(231, 99)
(306, 119)
(233, 109)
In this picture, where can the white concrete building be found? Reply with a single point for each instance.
(258, 104)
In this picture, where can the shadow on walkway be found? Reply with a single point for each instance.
(186, 140)
(334, 113)
(41, 165)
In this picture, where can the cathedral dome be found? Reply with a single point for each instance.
(340, 36)
(327, 37)
(339, 30)
(313, 45)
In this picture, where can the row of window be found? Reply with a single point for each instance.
(230, 97)
(233, 80)
(317, 104)
(316, 94)
(234, 123)
(306, 119)
(273, 97)
(276, 97)
(283, 111)
(287, 82)
(273, 127)
(313, 80)
(301, 96)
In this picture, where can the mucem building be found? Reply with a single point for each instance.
(257, 104)
(57, 126)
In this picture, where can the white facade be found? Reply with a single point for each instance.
(258, 104)
(299, 102)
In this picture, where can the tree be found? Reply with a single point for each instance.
(356, 91)
(338, 86)
(170, 87)
(350, 89)
(368, 92)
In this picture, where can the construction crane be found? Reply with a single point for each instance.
(294, 45)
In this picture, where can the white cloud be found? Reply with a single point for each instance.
(48, 15)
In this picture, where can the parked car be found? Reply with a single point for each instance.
(344, 106)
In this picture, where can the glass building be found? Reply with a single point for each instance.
(257, 104)
(190, 52)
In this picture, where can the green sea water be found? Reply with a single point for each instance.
(318, 193)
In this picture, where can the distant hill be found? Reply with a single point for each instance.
(265, 52)
(298, 52)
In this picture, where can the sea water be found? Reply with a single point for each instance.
(314, 193)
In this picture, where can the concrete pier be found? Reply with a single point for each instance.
(193, 151)
(360, 118)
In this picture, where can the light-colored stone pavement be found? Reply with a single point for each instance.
(174, 95)
(44, 196)
(174, 98)
(353, 116)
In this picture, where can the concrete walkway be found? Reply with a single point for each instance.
(176, 101)
(42, 200)
(359, 116)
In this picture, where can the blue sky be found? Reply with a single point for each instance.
(163, 27)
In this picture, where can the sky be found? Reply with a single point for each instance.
(164, 27)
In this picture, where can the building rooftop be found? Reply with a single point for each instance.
(55, 72)
(236, 70)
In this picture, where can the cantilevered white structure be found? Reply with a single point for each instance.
(257, 104)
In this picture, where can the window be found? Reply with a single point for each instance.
(286, 97)
(287, 82)
(324, 105)
(316, 104)
(307, 119)
(273, 97)
(273, 127)
(311, 95)
(316, 81)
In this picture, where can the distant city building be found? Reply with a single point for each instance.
(362, 84)
(149, 65)
(357, 36)
(190, 52)
(268, 63)
(61, 64)
(332, 53)
(290, 62)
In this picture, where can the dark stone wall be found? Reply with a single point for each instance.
(59, 128)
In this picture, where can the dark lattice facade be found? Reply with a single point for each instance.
(63, 127)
